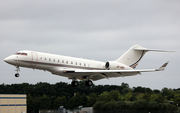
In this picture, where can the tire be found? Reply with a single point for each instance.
(17, 75)
(88, 83)
(75, 83)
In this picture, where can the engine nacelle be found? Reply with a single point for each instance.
(112, 65)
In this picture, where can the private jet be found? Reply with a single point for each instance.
(82, 69)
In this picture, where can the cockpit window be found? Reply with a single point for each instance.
(18, 53)
(24, 54)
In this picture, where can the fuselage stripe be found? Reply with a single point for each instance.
(136, 63)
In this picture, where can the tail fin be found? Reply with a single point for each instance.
(133, 56)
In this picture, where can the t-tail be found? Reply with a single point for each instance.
(134, 55)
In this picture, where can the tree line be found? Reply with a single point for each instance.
(100, 97)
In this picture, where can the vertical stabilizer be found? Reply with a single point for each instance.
(132, 57)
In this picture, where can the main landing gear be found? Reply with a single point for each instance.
(75, 83)
(17, 69)
(88, 83)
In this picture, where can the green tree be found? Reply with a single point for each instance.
(168, 93)
(167, 107)
(84, 98)
(30, 103)
(75, 101)
(114, 94)
(129, 105)
(140, 96)
(139, 89)
(156, 91)
(172, 107)
(153, 106)
(98, 104)
(105, 96)
(141, 104)
(125, 85)
(2, 88)
(128, 97)
(178, 90)
(107, 106)
(91, 99)
(45, 102)
(60, 101)
(177, 99)
(145, 96)
(119, 105)
(148, 90)
(126, 90)
(157, 97)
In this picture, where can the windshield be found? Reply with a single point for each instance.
(19, 53)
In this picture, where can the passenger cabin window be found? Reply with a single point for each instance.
(54, 60)
(62, 61)
(49, 59)
(66, 62)
(84, 64)
(79, 63)
(45, 58)
(76, 63)
(58, 60)
(71, 62)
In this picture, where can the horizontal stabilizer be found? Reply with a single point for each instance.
(139, 48)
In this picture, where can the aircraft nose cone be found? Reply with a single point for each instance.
(6, 60)
(9, 60)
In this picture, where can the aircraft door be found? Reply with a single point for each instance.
(34, 59)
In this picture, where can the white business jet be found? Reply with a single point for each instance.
(82, 69)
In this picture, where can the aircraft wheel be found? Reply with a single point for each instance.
(75, 83)
(88, 83)
(17, 75)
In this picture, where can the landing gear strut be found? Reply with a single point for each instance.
(87, 81)
(17, 69)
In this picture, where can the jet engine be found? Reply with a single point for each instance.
(112, 65)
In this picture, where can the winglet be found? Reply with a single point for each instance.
(163, 66)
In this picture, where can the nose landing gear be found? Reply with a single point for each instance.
(17, 69)
(17, 75)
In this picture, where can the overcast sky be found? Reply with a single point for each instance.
(93, 29)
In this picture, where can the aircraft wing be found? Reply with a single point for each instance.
(101, 74)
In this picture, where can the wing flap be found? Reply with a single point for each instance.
(97, 77)
(114, 71)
